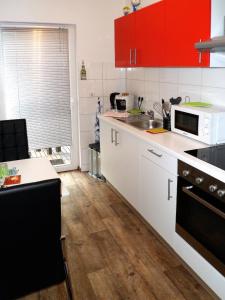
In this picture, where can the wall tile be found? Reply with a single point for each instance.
(152, 74)
(110, 72)
(136, 73)
(87, 122)
(94, 70)
(88, 105)
(111, 86)
(168, 90)
(213, 95)
(152, 92)
(190, 76)
(214, 77)
(86, 138)
(168, 75)
(90, 88)
(107, 104)
(194, 92)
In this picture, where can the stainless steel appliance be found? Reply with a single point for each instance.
(200, 217)
(205, 124)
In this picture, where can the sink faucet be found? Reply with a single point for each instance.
(150, 113)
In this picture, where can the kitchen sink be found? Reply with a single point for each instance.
(142, 122)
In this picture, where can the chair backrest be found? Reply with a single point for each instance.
(30, 230)
(13, 140)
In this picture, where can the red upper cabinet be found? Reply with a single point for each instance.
(125, 41)
(163, 35)
(150, 34)
(187, 22)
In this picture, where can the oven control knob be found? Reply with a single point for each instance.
(221, 193)
(186, 173)
(199, 180)
(213, 188)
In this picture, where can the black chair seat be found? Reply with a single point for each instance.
(31, 255)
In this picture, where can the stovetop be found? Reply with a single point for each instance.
(214, 155)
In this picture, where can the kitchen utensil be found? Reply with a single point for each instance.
(175, 101)
(140, 100)
(158, 108)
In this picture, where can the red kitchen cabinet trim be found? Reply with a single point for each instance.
(187, 22)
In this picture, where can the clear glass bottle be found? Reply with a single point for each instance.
(83, 73)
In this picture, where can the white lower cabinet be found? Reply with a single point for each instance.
(143, 174)
(157, 194)
(119, 160)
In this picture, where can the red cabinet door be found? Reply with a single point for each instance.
(150, 35)
(125, 41)
(187, 22)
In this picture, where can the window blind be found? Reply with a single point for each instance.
(35, 79)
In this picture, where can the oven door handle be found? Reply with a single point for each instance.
(187, 190)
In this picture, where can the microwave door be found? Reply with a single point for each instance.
(187, 122)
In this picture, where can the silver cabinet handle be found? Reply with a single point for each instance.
(116, 138)
(135, 56)
(200, 55)
(112, 139)
(130, 56)
(153, 152)
(169, 189)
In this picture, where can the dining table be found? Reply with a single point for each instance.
(34, 170)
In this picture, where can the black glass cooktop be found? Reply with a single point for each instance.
(214, 155)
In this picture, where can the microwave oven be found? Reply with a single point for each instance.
(205, 124)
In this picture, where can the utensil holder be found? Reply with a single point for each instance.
(167, 123)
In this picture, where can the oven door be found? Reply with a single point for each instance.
(200, 220)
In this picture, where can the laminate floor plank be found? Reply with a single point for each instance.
(112, 254)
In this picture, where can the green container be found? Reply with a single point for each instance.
(4, 171)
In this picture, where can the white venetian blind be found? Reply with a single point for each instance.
(35, 79)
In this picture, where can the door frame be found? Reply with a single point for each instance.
(75, 153)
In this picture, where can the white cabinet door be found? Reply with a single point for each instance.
(157, 197)
(119, 160)
(108, 152)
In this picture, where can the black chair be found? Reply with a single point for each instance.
(31, 255)
(13, 140)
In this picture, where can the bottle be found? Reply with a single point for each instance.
(83, 73)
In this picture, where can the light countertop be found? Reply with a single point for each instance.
(172, 143)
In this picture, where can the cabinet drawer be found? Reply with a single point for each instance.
(159, 157)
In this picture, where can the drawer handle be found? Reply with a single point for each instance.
(153, 152)
(169, 189)
(116, 138)
(112, 139)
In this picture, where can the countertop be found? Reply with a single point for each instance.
(172, 143)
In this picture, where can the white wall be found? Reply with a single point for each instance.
(94, 44)
(94, 20)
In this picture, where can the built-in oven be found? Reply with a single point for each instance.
(200, 217)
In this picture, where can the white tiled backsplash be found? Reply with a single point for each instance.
(156, 83)
(102, 80)
(151, 83)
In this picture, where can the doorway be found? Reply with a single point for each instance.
(37, 83)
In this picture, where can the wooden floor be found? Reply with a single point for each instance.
(112, 254)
